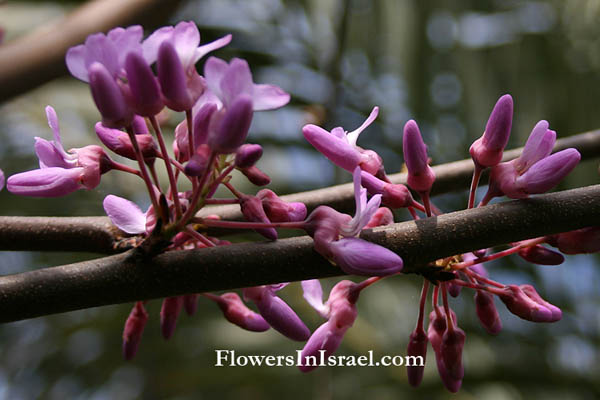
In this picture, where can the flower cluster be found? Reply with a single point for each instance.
(132, 80)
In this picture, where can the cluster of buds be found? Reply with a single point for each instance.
(209, 145)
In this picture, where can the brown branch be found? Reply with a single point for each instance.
(128, 277)
(56, 233)
(38, 57)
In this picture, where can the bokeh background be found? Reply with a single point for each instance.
(441, 63)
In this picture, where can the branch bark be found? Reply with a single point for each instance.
(38, 57)
(129, 276)
(96, 234)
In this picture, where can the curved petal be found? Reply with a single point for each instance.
(335, 149)
(126, 215)
(127, 40)
(236, 80)
(50, 156)
(152, 43)
(101, 49)
(214, 70)
(323, 342)
(268, 97)
(212, 46)
(353, 136)
(75, 60)
(547, 173)
(186, 39)
(313, 294)
(539, 145)
(47, 182)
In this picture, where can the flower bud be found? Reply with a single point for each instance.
(322, 343)
(171, 307)
(487, 312)
(539, 254)
(335, 148)
(417, 347)
(202, 123)
(278, 210)
(435, 333)
(118, 141)
(420, 174)
(253, 211)
(108, 97)
(190, 303)
(524, 306)
(256, 176)
(533, 294)
(487, 150)
(173, 82)
(229, 127)
(94, 162)
(585, 240)
(236, 312)
(247, 155)
(134, 328)
(453, 342)
(143, 87)
(139, 125)
(547, 173)
(371, 162)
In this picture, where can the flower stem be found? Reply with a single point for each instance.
(163, 150)
(200, 237)
(474, 182)
(247, 225)
(500, 254)
(424, 291)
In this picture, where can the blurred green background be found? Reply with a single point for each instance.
(441, 63)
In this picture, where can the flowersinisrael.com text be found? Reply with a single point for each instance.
(228, 358)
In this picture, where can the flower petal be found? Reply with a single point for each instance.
(268, 97)
(75, 60)
(214, 70)
(152, 43)
(353, 136)
(126, 215)
(186, 39)
(212, 46)
(47, 182)
(313, 294)
(282, 318)
(358, 257)
(539, 145)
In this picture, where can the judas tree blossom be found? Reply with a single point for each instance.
(60, 172)
(340, 147)
(340, 311)
(351, 254)
(236, 312)
(585, 240)
(535, 171)
(125, 214)
(276, 312)
(420, 175)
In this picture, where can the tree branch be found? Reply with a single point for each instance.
(38, 57)
(129, 276)
(93, 234)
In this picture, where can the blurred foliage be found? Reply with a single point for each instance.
(441, 63)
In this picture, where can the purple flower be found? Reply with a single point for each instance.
(226, 82)
(524, 302)
(60, 172)
(340, 311)
(109, 50)
(276, 312)
(392, 195)
(120, 143)
(171, 307)
(351, 254)
(253, 211)
(487, 150)
(487, 312)
(340, 146)
(585, 240)
(134, 328)
(278, 210)
(535, 171)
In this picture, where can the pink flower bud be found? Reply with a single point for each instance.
(487, 312)
(202, 123)
(533, 294)
(371, 162)
(119, 142)
(144, 92)
(539, 254)
(487, 150)
(108, 97)
(139, 125)
(336, 149)
(524, 306)
(171, 307)
(278, 210)
(435, 333)
(585, 240)
(420, 174)
(256, 176)
(190, 303)
(453, 342)
(393, 195)
(253, 211)
(94, 162)
(134, 328)
(358, 257)
(417, 347)
(247, 155)
(236, 312)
